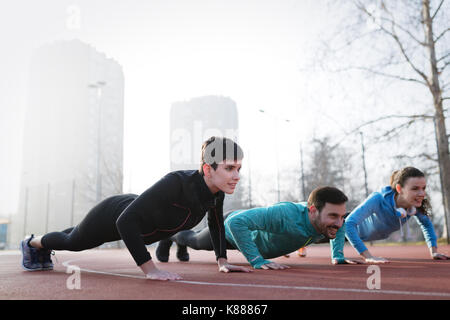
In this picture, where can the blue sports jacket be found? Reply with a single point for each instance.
(377, 217)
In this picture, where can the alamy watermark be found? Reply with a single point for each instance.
(73, 21)
(374, 281)
(185, 145)
(73, 282)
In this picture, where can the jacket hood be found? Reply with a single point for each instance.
(388, 197)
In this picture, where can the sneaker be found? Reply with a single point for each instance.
(182, 253)
(301, 252)
(163, 250)
(45, 259)
(30, 256)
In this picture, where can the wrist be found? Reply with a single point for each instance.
(222, 261)
(366, 254)
(338, 261)
(148, 267)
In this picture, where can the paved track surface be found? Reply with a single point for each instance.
(111, 274)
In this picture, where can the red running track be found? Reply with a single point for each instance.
(111, 274)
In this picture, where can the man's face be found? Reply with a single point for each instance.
(226, 176)
(329, 220)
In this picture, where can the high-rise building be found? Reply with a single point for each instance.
(194, 121)
(73, 137)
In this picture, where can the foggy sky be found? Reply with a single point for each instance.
(254, 52)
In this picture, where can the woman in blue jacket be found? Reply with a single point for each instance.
(386, 211)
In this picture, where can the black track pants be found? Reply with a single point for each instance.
(97, 228)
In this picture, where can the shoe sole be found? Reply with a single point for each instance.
(23, 266)
(47, 269)
(162, 258)
(183, 260)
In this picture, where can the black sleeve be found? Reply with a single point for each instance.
(216, 228)
(131, 222)
(130, 231)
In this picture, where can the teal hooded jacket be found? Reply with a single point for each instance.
(269, 232)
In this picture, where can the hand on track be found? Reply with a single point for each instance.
(274, 266)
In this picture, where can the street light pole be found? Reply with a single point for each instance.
(278, 165)
(302, 173)
(364, 163)
(98, 86)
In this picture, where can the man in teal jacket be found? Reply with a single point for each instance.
(269, 232)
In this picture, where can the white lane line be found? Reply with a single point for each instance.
(267, 286)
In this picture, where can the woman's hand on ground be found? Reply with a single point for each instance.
(439, 256)
(369, 258)
(376, 260)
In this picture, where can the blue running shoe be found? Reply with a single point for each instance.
(45, 259)
(30, 256)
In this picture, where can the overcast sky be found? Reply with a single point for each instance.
(254, 52)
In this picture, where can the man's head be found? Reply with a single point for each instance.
(220, 164)
(216, 150)
(327, 210)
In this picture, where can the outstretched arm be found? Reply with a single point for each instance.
(130, 224)
(337, 249)
(240, 227)
(430, 236)
(358, 215)
(217, 232)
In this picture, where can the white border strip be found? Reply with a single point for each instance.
(266, 286)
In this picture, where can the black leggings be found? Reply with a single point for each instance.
(198, 240)
(97, 228)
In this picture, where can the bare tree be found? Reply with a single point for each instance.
(409, 42)
(332, 166)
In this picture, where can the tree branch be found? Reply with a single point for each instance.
(441, 35)
(421, 155)
(437, 10)
(408, 60)
(396, 130)
(391, 75)
(444, 86)
(412, 118)
(394, 23)
(396, 39)
(441, 69)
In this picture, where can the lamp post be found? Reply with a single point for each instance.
(99, 87)
(363, 154)
(278, 165)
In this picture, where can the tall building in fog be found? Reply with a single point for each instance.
(194, 121)
(73, 137)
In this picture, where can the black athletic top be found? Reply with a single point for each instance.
(178, 201)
